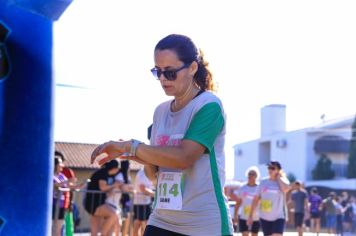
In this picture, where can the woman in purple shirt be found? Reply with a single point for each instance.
(314, 208)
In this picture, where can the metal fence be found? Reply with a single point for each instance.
(82, 200)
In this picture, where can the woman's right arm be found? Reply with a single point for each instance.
(254, 204)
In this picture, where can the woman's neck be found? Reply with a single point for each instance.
(273, 178)
(180, 101)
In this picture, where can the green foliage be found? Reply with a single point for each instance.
(351, 168)
(323, 170)
(291, 177)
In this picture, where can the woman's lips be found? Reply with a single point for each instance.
(166, 87)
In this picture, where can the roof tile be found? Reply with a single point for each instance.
(77, 155)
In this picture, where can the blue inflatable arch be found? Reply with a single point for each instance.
(26, 142)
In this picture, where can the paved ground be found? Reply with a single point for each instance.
(260, 234)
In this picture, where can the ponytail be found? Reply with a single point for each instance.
(203, 77)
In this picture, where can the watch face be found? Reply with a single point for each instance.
(4, 58)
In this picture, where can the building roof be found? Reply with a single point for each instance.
(77, 155)
(342, 122)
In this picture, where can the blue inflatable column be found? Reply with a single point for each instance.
(26, 143)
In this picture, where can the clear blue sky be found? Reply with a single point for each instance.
(298, 53)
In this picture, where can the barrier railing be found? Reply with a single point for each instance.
(82, 202)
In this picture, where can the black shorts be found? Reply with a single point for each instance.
(298, 219)
(151, 230)
(315, 215)
(243, 227)
(142, 212)
(55, 215)
(272, 227)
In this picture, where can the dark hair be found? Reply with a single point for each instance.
(187, 52)
(56, 161)
(59, 154)
(275, 163)
(125, 165)
(111, 165)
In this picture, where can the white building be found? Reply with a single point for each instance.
(298, 151)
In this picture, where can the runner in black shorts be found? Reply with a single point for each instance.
(244, 197)
(142, 212)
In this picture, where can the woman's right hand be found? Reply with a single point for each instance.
(111, 149)
(249, 221)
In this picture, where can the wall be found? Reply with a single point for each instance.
(292, 156)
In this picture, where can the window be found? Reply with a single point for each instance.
(264, 152)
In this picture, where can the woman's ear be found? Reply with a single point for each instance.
(193, 68)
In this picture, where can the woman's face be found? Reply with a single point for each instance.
(272, 170)
(252, 176)
(168, 60)
(59, 167)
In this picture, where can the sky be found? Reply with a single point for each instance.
(298, 53)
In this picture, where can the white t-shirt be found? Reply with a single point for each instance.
(272, 202)
(141, 198)
(199, 206)
(114, 196)
(247, 193)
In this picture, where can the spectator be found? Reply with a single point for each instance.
(68, 172)
(339, 216)
(329, 206)
(143, 188)
(300, 201)
(72, 180)
(315, 205)
(95, 200)
(244, 198)
(125, 201)
(60, 202)
(353, 206)
(347, 216)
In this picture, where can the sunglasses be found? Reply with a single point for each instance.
(271, 168)
(252, 174)
(170, 75)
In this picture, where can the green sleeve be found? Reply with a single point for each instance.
(206, 125)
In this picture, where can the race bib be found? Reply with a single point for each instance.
(169, 195)
(266, 205)
(247, 210)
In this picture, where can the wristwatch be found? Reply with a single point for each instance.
(134, 145)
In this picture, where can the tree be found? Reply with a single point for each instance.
(351, 168)
(323, 170)
(291, 177)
